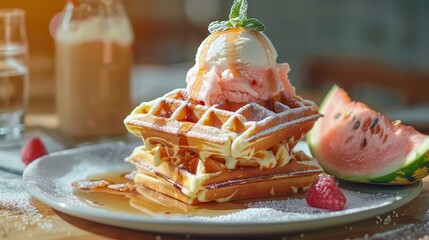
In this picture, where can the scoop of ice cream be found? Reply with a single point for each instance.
(236, 46)
(238, 65)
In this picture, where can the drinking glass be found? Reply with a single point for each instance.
(13, 74)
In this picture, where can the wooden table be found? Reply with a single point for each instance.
(411, 220)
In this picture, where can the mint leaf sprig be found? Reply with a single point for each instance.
(237, 18)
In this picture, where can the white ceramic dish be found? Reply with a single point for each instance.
(48, 179)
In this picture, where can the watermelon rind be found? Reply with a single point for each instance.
(416, 167)
(413, 167)
(312, 135)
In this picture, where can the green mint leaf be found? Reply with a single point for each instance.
(236, 22)
(253, 24)
(219, 26)
(243, 10)
(237, 18)
(235, 9)
(215, 26)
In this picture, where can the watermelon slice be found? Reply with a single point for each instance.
(355, 143)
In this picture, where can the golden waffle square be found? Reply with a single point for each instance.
(277, 155)
(228, 130)
(196, 181)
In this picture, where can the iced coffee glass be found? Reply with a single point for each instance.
(13, 74)
(93, 67)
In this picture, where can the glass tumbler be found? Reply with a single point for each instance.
(13, 74)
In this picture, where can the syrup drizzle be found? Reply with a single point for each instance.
(146, 202)
(141, 200)
(203, 68)
(231, 40)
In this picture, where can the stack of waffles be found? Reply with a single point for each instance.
(196, 153)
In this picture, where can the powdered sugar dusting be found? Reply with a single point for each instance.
(18, 211)
(87, 164)
(297, 209)
(409, 231)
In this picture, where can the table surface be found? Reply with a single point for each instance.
(30, 218)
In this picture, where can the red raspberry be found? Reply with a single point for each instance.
(32, 150)
(324, 193)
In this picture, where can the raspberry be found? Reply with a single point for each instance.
(32, 150)
(324, 193)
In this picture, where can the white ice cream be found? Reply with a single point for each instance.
(237, 65)
(246, 50)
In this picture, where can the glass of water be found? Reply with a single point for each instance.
(13, 74)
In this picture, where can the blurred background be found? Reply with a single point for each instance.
(377, 49)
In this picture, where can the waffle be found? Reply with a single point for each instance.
(194, 181)
(277, 155)
(228, 131)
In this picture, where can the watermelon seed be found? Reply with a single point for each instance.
(385, 138)
(356, 125)
(373, 123)
(349, 139)
(377, 130)
(338, 115)
(363, 145)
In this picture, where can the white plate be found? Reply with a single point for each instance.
(48, 179)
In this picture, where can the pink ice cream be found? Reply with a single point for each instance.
(237, 65)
